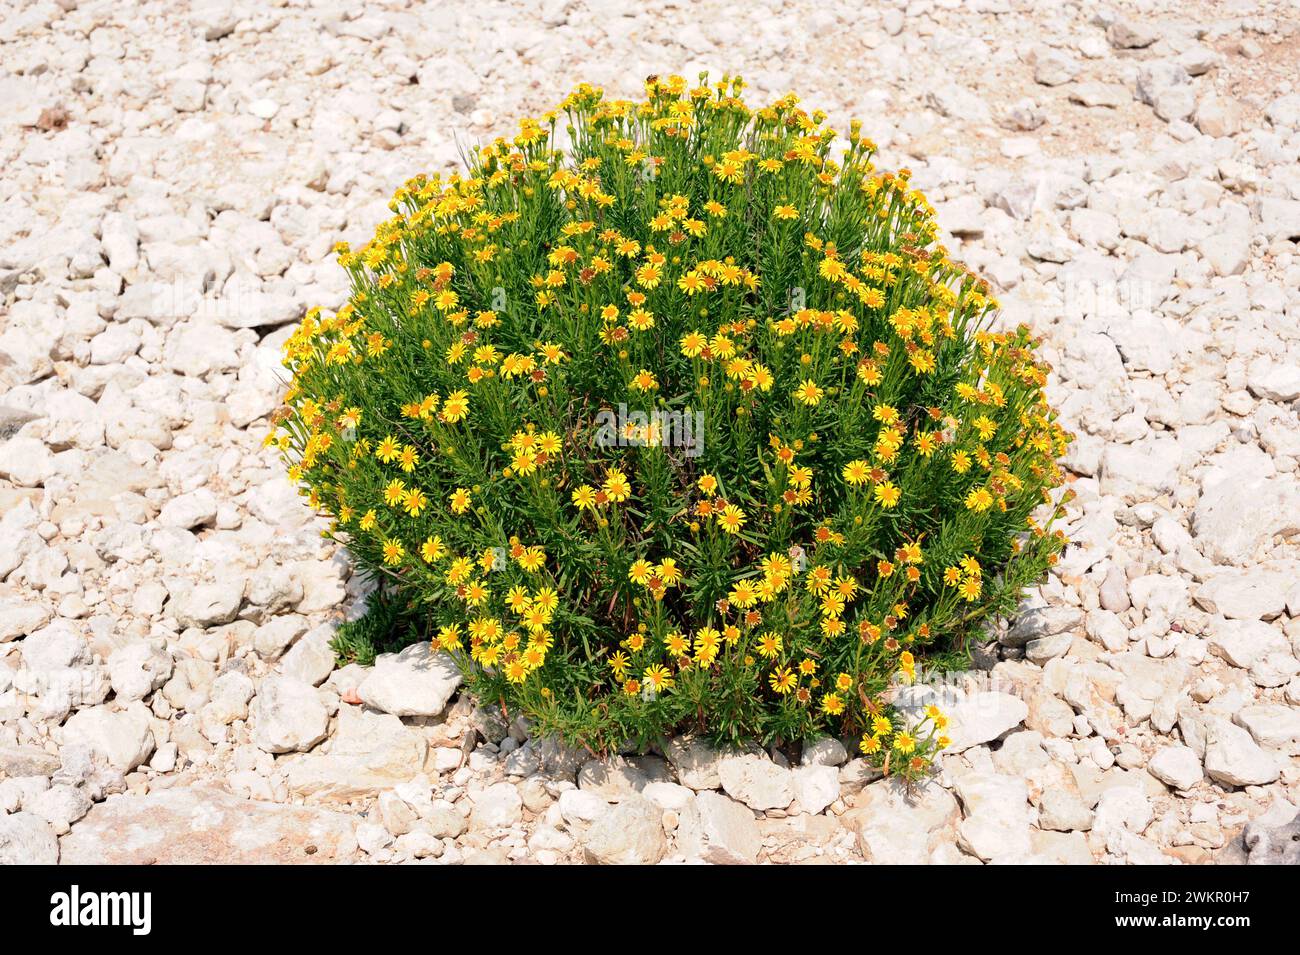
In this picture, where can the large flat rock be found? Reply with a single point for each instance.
(202, 825)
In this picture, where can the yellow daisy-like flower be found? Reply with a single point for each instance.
(856, 472)
(887, 494)
(455, 407)
(658, 678)
(640, 572)
(693, 344)
(415, 502)
(707, 644)
(809, 393)
(584, 497)
(433, 549)
(782, 680)
(986, 427)
(616, 486)
(731, 519)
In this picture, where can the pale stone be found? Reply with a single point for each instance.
(579, 807)
(123, 737)
(973, 718)
(496, 807)
(997, 815)
(416, 682)
(756, 781)
(288, 716)
(899, 824)
(1270, 724)
(1177, 766)
(187, 826)
(816, 787)
(631, 833)
(369, 752)
(26, 839)
(1233, 758)
(695, 761)
(720, 830)
(137, 669)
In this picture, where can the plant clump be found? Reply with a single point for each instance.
(674, 414)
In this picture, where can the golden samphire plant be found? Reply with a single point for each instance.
(672, 415)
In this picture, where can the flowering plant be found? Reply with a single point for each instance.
(688, 422)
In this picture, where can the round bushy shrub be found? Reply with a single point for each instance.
(673, 415)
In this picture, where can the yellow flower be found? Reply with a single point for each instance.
(460, 500)
(669, 572)
(782, 680)
(693, 344)
(922, 361)
(979, 500)
(648, 275)
(455, 407)
(584, 497)
(856, 472)
(640, 572)
(657, 677)
(743, 595)
(616, 486)
(707, 643)
(433, 549)
(393, 552)
(449, 637)
(731, 519)
(415, 502)
(394, 493)
(809, 393)
(885, 414)
(887, 494)
(691, 282)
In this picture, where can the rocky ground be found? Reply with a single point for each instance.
(175, 174)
